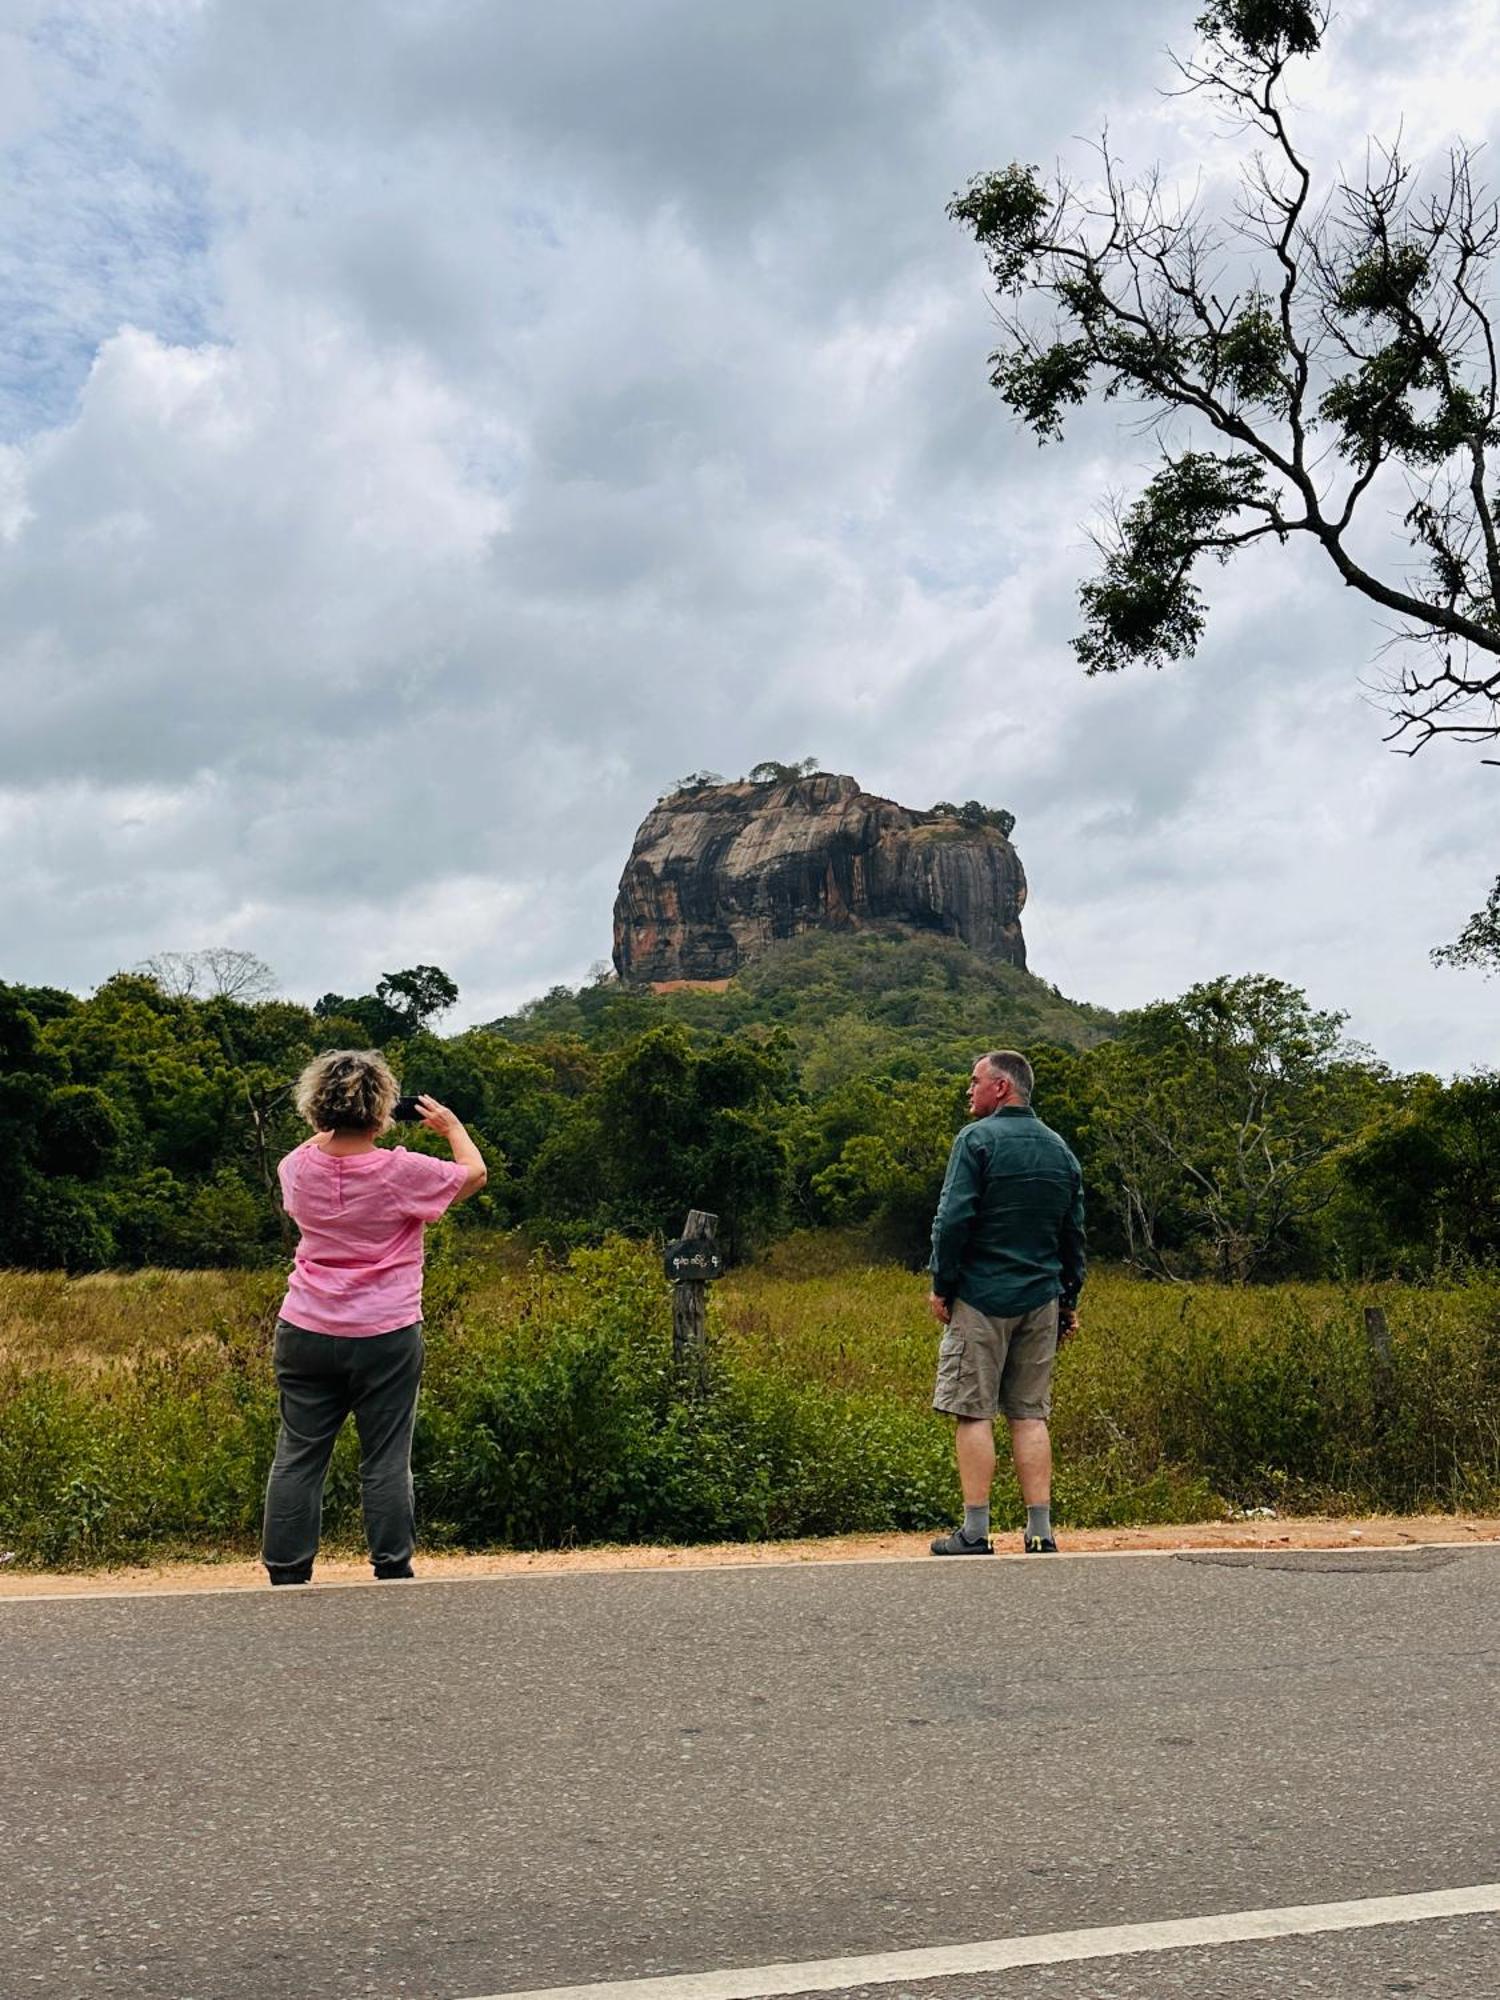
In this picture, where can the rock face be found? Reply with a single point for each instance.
(718, 872)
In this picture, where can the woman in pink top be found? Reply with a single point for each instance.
(349, 1337)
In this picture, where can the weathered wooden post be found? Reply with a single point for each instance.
(691, 1262)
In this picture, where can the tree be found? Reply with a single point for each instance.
(359, 1018)
(972, 813)
(1299, 363)
(506, 1095)
(873, 1153)
(78, 1131)
(1432, 1174)
(1217, 1124)
(1478, 943)
(770, 772)
(695, 781)
(670, 1126)
(418, 995)
(19, 1029)
(402, 1004)
(214, 972)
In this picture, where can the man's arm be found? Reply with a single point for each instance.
(955, 1216)
(1073, 1253)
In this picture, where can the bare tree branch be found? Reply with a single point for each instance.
(1349, 327)
(218, 971)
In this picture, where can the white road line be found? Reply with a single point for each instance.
(886, 1968)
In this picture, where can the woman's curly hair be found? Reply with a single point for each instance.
(347, 1090)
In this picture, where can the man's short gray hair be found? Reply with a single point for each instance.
(1009, 1063)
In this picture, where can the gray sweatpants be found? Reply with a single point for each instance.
(322, 1378)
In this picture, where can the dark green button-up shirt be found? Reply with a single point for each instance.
(1008, 1234)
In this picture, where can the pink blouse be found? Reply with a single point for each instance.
(358, 1268)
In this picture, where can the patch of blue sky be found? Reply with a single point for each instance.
(493, 467)
(971, 579)
(538, 223)
(101, 226)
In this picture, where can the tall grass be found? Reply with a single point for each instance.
(1263, 1396)
(138, 1416)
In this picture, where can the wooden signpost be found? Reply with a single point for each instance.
(691, 1263)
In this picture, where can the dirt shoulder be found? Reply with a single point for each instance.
(1304, 1532)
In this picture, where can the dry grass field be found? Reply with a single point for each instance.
(137, 1412)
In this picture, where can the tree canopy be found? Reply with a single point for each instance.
(972, 813)
(1230, 1132)
(770, 772)
(217, 969)
(1318, 356)
(1478, 943)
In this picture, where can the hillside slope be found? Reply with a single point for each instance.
(870, 995)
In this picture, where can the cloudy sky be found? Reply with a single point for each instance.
(429, 427)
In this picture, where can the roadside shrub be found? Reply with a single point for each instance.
(138, 1413)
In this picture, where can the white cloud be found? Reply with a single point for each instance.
(431, 441)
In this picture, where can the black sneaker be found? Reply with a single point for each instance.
(958, 1544)
(1039, 1545)
(298, 1573)
(386, 1572)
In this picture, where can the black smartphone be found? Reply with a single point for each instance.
(406, 1111)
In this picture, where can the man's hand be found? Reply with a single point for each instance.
(940, 1309)
(1067, 1324)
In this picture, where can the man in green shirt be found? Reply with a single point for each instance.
(1008, 1260)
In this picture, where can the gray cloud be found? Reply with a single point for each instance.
(434, 440)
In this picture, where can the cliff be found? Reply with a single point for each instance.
(718, 872)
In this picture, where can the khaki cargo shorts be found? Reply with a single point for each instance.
(988, 1365)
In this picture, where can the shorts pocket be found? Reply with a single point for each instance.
(951, 1357)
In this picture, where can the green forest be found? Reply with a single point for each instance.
(1233, 1132)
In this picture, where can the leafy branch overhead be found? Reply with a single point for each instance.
(1478, 943)
(1302, 360)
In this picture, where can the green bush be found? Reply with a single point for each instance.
(138, 1414)
(566, 1426)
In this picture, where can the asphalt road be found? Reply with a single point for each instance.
(454, 1789)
